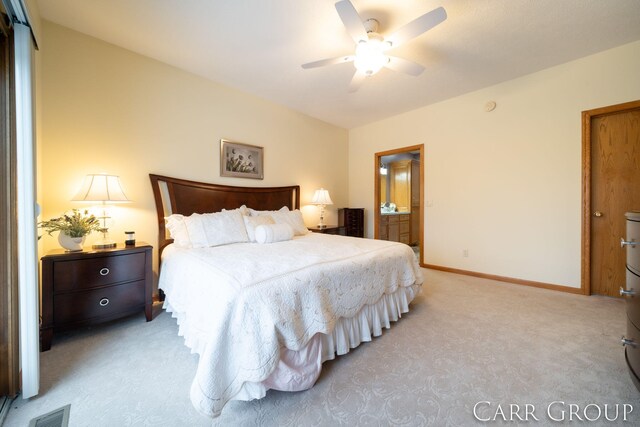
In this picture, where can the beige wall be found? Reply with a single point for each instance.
(505, 185)
(106, 109)
(35, 19)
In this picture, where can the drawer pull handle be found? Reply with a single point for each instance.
(624, 243)
(628, 342)
(104, 302)
(104, 271)
(626, 293)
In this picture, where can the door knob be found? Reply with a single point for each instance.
(631, 243)
(627, 292)
(597, 213)
(627, 342)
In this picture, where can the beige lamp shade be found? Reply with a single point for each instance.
(101, 188)
(321, 197)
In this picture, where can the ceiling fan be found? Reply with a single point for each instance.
(370, 55)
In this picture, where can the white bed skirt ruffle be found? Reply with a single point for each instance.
(299, 370)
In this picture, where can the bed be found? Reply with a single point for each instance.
(266, 316)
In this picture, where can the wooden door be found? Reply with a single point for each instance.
(9, 320)
(383, 188)
(401, 184)
(615, 189)
(415, 202)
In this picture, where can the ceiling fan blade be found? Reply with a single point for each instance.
(329, 61)
(417, 26)
(404, 66)
(351, 20)
(356, 81)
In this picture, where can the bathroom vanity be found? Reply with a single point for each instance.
(396, 226)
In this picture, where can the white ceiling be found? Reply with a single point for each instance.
(257, 46)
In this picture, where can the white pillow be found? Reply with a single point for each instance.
(195, 229)
(292, 218)
(254, 212)
(211, 229)
(244, 210)
(251, 222)
(272, 233)
(222, 228)
(178, 230)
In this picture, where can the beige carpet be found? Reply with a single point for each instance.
(466, 340)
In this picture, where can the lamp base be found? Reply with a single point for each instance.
(105, 242)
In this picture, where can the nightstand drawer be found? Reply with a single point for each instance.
(91, 272)
(83, 306)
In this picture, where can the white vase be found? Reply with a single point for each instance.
(71, 244)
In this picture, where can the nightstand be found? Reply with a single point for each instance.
(94, 286)
(329, 229)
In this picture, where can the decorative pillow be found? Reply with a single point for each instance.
(211, 229)
(272, 233)
(222, 228)
(254, 212)
(293, 218)
(251, 222)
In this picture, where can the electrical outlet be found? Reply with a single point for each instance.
(465, 253)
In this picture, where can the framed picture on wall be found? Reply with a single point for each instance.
(241, 160)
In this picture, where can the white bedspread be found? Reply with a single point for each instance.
(239, 304)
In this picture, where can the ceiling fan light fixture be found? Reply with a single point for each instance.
(370, 46)
(370, 57)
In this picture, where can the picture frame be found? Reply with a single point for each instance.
(240, 160)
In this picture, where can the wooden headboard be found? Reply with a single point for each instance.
(181, 196)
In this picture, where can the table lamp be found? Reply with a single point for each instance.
(105, 189)
(321, 198)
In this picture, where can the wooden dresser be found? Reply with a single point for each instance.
(351, 221)
(88, 287)
(631, 341)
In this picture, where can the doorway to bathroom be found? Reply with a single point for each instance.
(399, 197)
